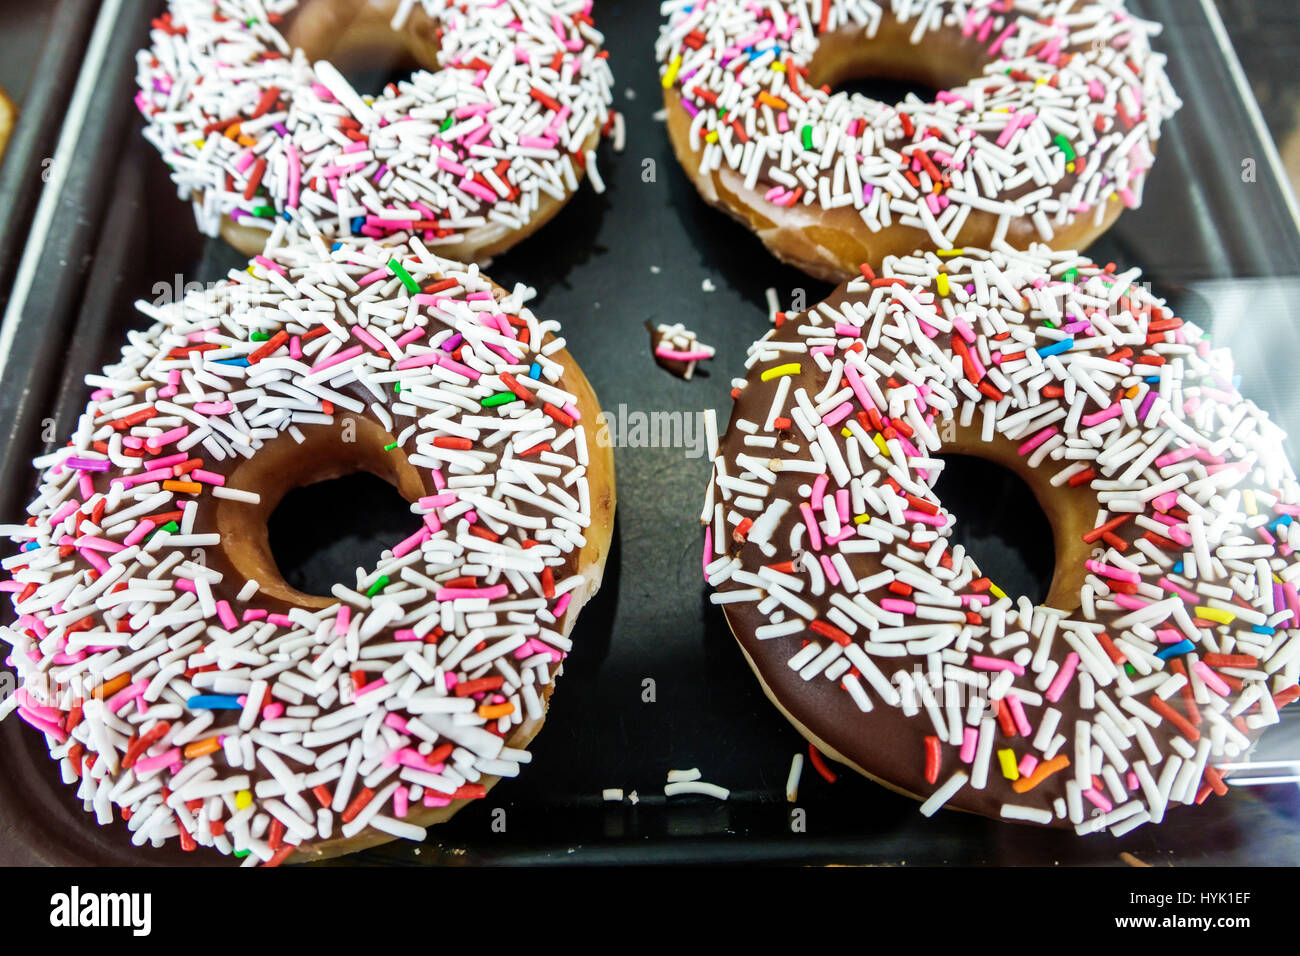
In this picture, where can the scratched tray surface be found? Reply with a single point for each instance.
(655, 681)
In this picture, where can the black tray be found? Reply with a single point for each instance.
(1225, 251)
(40, 57)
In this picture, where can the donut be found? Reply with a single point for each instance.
(1044, 130)
(180, 679)
(473, 152)
(1170, 636)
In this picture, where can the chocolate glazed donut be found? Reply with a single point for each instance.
(1171, 635)
(178, 676)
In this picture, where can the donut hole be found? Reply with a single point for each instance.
(358, 39)
(343, 496)
(1000, 524)
(316, 543)
(888, 67)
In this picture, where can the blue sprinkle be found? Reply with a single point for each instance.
(1178, 568)
(30, 546)
(336, 247)
(240, 362)
(214, 702)
(1152, 380)
(1174, 650)
(1056, 348)
(358, 222)
(1261, 629)
(535, 371)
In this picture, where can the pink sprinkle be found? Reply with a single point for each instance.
(562, 604)
(1105, 414)
(898, 605)
(453, 594)
(154, 763)
(969, 740)
(1106, 570)
(837, 415)
(814, 535)
(1037, 440)
(996, 664)
(338, 357)
(1018, 715)
(227, 616)
(1062, 678)
(1212, 680)
(1098, 799)
(45, 726)
(126, 694)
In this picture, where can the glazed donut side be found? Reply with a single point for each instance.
(335, 722)
(1171, 634)
(773, 147)
(475, 152)
(8, 116)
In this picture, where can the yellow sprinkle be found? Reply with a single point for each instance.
(880, 443)
(846, 433)
(1215, 614)
(1007, 758)
(1040, 81)
(1249, 497)
(949, 253)
(1277, 580)
(1070, 167)
(779, 67)
(243, 799)
(997, 591)
(711, 136)
(861, 519)
(671, 76)
(941, 283)
(790, 368)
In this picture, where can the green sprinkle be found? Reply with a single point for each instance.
(1128, 669)
(264, 212)
(397, 269)
(397, 387)
(260, 336)
(241, 853)
(807, 137)
(378, 586)
(171, 526)
(1064, 146)
(390, 447)
(500, 398)
(445, 126)
(1071, 275)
